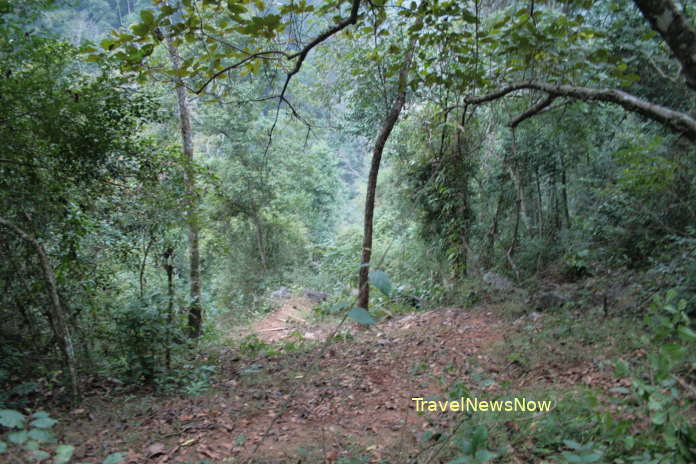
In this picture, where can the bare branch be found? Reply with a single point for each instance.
(676, 121)
(251, 57)
(533, 111)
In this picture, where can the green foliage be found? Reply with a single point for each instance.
(472, 447)
(673, 435)
(141, 334)
(115, 458)
(380, 279)
(361, 316)
(31, 437)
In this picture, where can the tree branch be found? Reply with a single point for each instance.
(678, 122)
(676, 30)
(534, 110)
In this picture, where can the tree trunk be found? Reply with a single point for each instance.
(676, 30)
(195, 312)
(169, 269)
(143, 263)
(58, 318)
(260, 241)
(489, 252)
(564, 192)
(390, 121)
(540, 205)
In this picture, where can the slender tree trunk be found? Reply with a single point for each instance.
(564, 192)
(143, 263)
(493, 233)
(519, 201)
(195, 312)
(259, 241)
(390, 121)
(540, 205)
(169, 269)
(556, 206)
(58, 318)
(464, 208)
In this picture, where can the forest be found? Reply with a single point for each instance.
(348, 231)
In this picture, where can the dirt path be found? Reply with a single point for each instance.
(356, 401)
(359, 397)
(291, 315)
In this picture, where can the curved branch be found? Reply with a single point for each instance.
(676, 121)
(533, 111)
(301, 55)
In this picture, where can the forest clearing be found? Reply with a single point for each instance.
(347, 231)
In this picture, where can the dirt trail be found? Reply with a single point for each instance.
(291, 315)
(359, 397)
(356, 401)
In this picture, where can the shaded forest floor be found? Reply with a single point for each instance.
(281, 397)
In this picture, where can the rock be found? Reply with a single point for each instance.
(497, 281)
(549, 300)
(282, 292)
(315, 295)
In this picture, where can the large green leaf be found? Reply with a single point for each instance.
(114, 458)
(361, 315)
(147, 16)
(40, 435)
(18, 437)
(63, 454)
(43, 423)
(686, 333)
(39, 455)
(380, 279)
(3, 447)
(11, 418)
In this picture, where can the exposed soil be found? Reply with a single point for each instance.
(291, 315)
(298, 407)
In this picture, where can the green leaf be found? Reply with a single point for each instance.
(361, 315)
(114, 458)
(621, 390)
(18, 437)
(40, 455)
(11, 418)
(43, 423)
(140, 29)
(31, 445)
(659, 418)
(3, 447)
(338, 307)
(40, 435)
(147, 16)
(380, 279)
(40, 415)
(235, 8)
(483, 455)
(63, 454)
(686, 333)
(572, 444)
